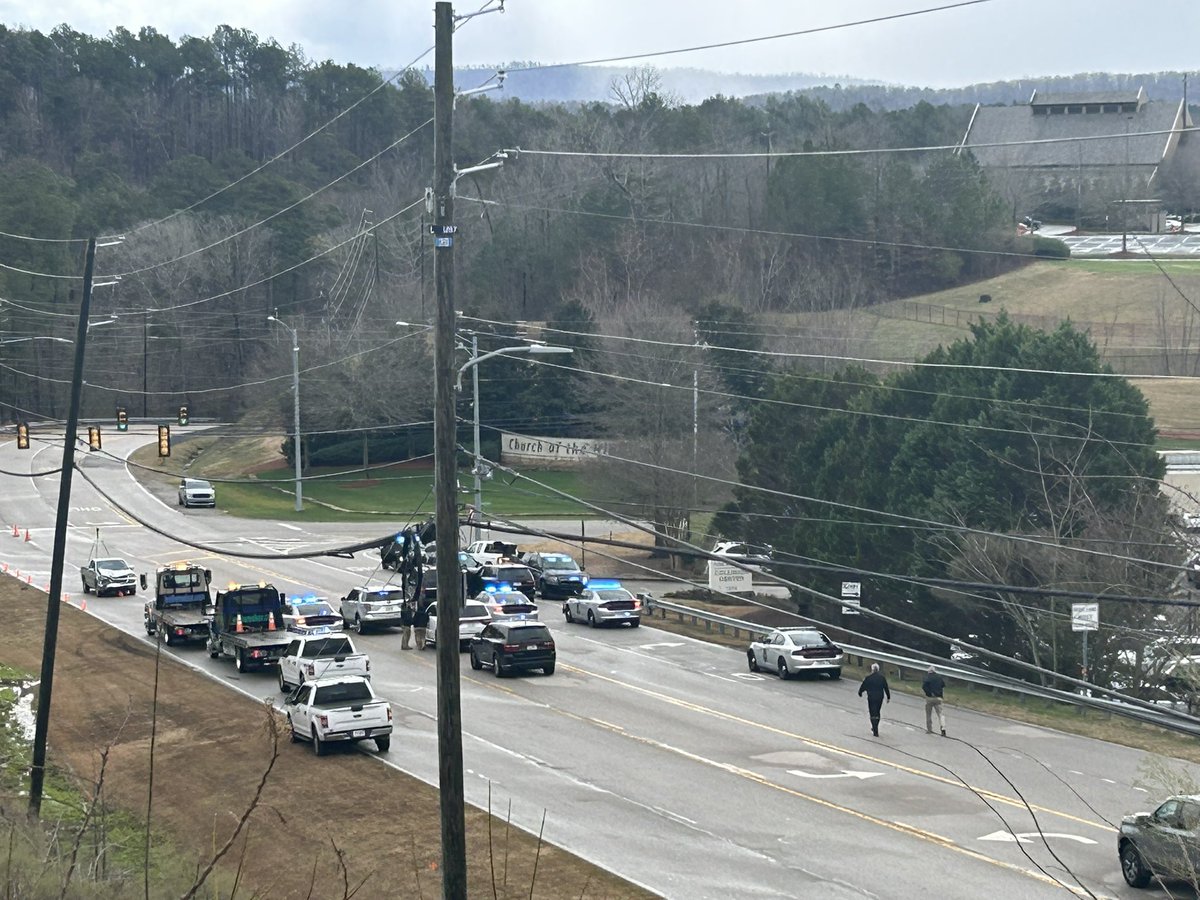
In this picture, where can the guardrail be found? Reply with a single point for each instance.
(1165, 718)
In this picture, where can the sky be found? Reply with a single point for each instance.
(989, 41)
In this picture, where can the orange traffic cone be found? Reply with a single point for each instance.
(29, 579)
(238, 627)
(16, 531)
(83, 604)
(27, 535)
(270, 621)
(5, 568)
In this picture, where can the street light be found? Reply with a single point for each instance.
(473, 365)
(295, 405)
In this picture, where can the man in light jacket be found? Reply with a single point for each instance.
(934, 686)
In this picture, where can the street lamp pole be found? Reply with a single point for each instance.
(473, 365)
(295, 407)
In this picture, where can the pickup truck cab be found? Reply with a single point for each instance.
(338, 710)
(365, 609)
(311, 657)
(110, 575)
(488, 552)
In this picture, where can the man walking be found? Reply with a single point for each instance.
(406, 619)
(420, 622)
(934, 686)
(875, 686)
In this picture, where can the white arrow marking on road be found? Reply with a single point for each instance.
(662, 644)
(845, 773)
(1028, 837)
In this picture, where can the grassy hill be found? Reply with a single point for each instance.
(1141, 317)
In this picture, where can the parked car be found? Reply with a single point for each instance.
(604, 602)
(194, 492)
(789, 651)
(1165, 842)
(753, 557)
(365, 608)
(111, 575)
(516, 576)
(557, 574)
(310, 615)
(508, 647)
(503, 603)
(472, 619)
(342, 709)
(488, 552)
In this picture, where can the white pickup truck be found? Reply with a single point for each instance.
(310, 657)
(488, 553)
(338, 710)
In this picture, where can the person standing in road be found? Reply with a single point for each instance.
(406, 621)
(934, 686)
(420, 622)
(875, 686)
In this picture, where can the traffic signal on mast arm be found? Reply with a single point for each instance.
(94, 437)
(164, 440)
(22, 436)
(122, 419)
(183, 416)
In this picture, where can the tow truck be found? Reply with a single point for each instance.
(182, 605)
(248, 626)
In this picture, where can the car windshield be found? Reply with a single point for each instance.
(475, 611)
(807, 637)
(512, 573)
(614, 594)
(529, 633)
(384, 597)
(342, 694)
(111, 565)
(199, 485)
(315, 609)
(507, 598)
(560, 563)
(328, 647)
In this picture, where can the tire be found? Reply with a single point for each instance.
(782, 668)
(86, 589)
(213, 650)
(591, 619)
(283, 685)
(751, 661)
(166, 637)
(636, 623)
(319, 748)
(567, 613)
(240, 661)
(548, 668)
(475, 663)
(1135, 871)
(835, 674)
(383, 744)
(358, 625)
(498, 667)
(292, 732)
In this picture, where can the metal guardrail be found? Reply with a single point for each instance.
(1168, 719)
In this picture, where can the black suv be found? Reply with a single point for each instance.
(558, 575)
(513, 647)
(518, 577)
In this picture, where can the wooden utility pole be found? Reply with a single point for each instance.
(445, 454)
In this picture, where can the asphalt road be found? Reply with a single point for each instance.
(659, 757)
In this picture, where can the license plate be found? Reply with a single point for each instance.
(359, 733)
(321, 629)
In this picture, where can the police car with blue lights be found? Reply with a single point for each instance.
(367, 609)
(604, 602)
(557, 574)
(310, 614)
(505, 603)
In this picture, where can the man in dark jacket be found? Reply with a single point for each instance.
(420, 622)
(406, 619)
(875, 686)
(934, 686)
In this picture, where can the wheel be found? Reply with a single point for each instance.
(166, 636)
(292, 732)
(635, 623)
(318, 746)
(835, 674)
(548, 668)
(213, 650)
(498, 667)
(751, 661)
(86, 589)
(475, 663)
(783, 669)
(283, 685)
(358, 625)
(591, 619)
(567, 612)
(240, 661)
(1135, 871)
(383, 744)
(179, 500)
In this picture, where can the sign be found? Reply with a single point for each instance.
(443, 229)
(549, 452)
(1085, 616)
(727, 578)
(852, 595)
(443, 242)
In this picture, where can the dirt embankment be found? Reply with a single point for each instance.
(211, 749)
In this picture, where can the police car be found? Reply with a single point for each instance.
(503, 603)
(310, 614)
(604, 602)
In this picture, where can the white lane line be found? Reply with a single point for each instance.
(286, 525)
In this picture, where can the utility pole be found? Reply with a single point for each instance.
(445, 455)
(37, 770)
(475, 469)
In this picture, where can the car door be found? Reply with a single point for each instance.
(487, 646)
(431, 628)
(1163, 840)
(771, 650)
(290, 663)
(349, 607)
(299, 712)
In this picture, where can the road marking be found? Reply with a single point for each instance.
(286, 525)
(748, 676)
(1029, 837)
(845, 773)
(660, 644)
(832, 748)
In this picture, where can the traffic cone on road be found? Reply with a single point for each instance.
(29, 579)
(16, 531)
(27, 535)
(83, 604)
(238, 627)
(270, 621)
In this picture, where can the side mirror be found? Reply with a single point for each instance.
(142, 579)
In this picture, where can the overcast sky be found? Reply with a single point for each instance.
(995, 40)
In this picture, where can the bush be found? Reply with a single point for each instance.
(1051, 248)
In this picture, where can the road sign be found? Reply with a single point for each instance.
(852, 597)
(1085, 616)
(443, 229)
(443, 242)
(727, 578)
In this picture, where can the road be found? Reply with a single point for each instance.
(659, 757)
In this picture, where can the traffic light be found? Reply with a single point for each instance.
(22, 436)
(122, 419)
(183, 416)
(93, 437)
(164, 440)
